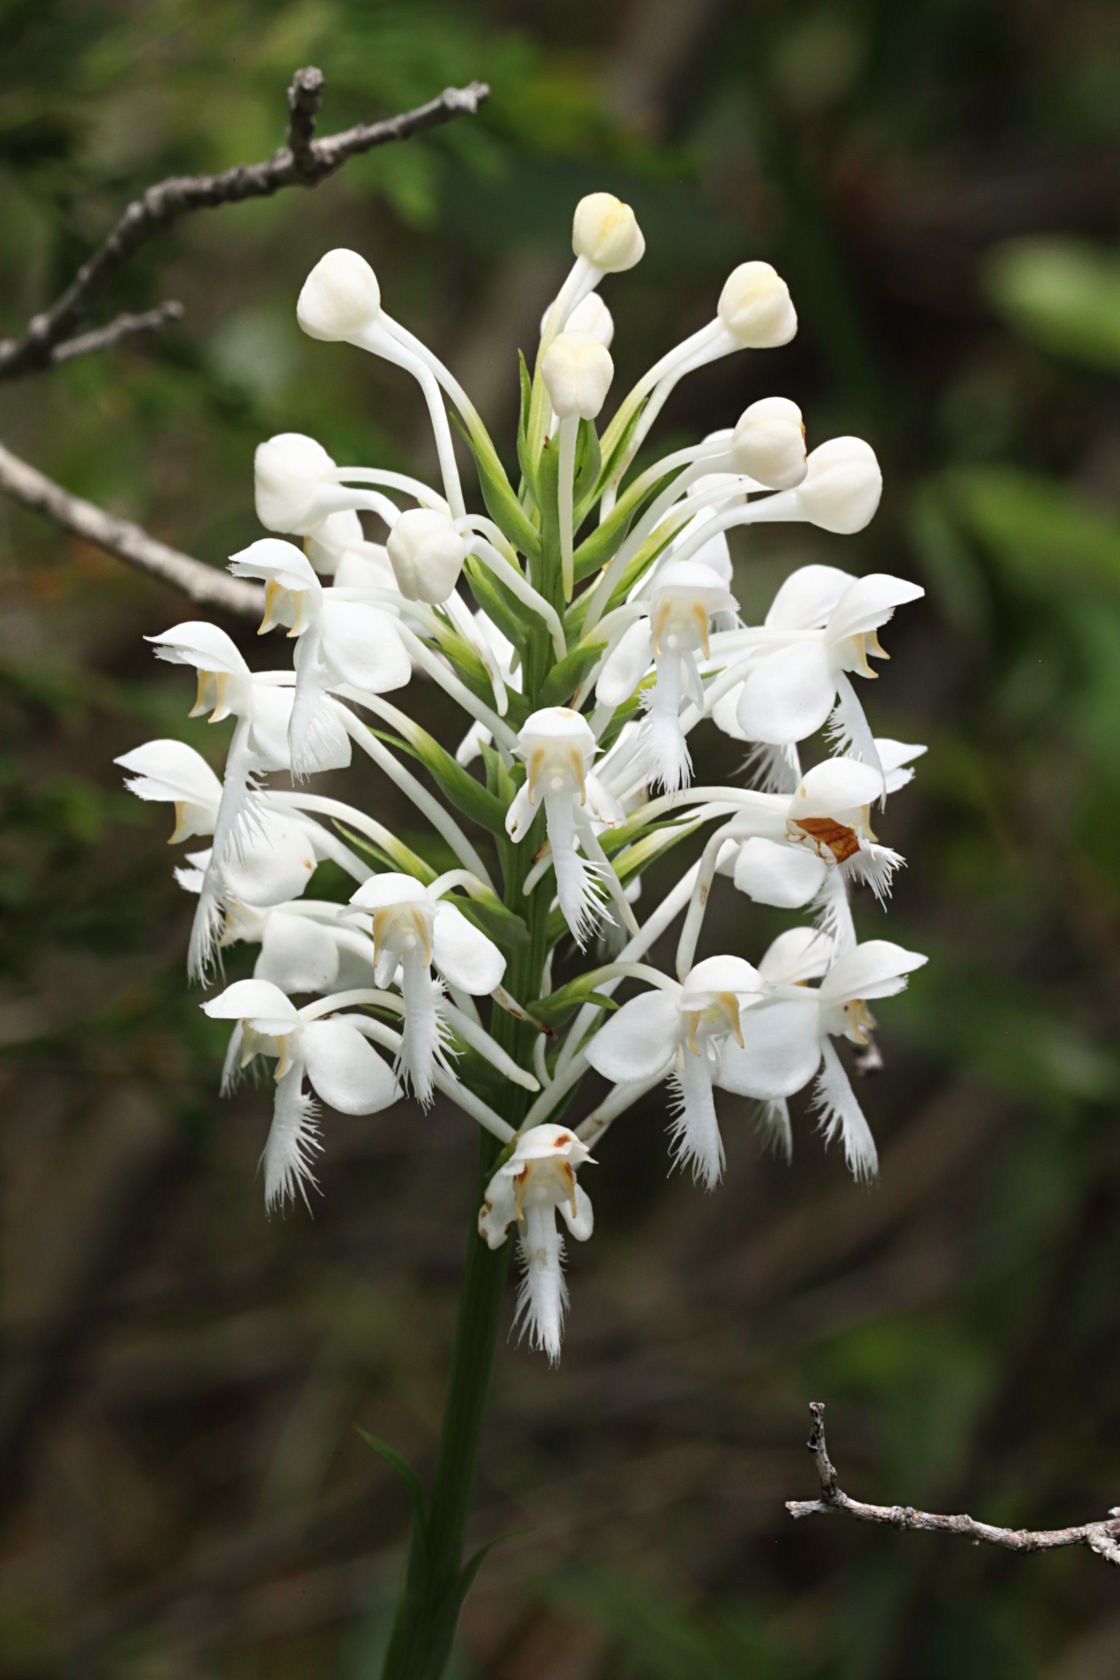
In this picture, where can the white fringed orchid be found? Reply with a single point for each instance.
(673, 634)
(688, 1032)
(414, 929)
(558, 748)
(821, 627)
(339, 641)
(788, 1036)
(529, 1190)
(226, 687)
(333, 1055)
(578, 632)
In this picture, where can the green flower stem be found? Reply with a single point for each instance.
(435, 1582)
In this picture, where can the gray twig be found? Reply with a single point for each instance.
(303, 162)
(1100, 1537)
(202, 583)
(123, 326)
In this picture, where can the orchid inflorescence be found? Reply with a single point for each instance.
(604, 629)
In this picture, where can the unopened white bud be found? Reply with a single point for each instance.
(755, 307)
(605, 231)
(340, 296)
(591, 316)
(842, 486)
(427, 554)
(768, 443)
(289, 472)
(577, 371)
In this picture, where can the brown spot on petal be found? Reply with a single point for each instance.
(842, 842)
(558, 1143)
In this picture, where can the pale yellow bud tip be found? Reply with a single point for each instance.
(340, 296)
(605, 231)
(755, 306)
(577, 371)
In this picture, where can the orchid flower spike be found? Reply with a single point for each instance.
(339, 1063)
(686, 1032)
(558, 749)
(529, 1190)
(414, 929)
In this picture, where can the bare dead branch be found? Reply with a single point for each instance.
(303, 162)
(124, 326)
(1100, 1537)
(304, 99)
(202, 583)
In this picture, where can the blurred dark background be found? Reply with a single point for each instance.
(185, 1494)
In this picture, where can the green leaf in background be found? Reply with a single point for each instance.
(1040, 533)
(1061, 293)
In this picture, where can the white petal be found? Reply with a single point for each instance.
(273, 865)
(298, 954)
(770, 873)
(252, 1000)
(464, 956)
(626, 666)
(272, 558)
(520, 815)
(801, 953)
(389, 886)
(293, 1142)
(840, 1112)
(869, 602)
(345, 1069)
(694, 1132)
(364, 646)
(837, 784)
(640, 1041)
(268, 737)
(807, 597)
(789, 694)
(203, 645)
(781, 1050)
(581, 1223)
(718, 974)
(498, 1210)
(874, 969)
(171, 770)
(543, 1296)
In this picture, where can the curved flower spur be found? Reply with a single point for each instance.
(582, 623)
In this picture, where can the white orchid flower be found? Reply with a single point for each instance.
(558, 748)
(310, 945)
(672, 634)
(339, 642)
(537, 1182)
(278, 854)
(821, 626)
(263, 711)
(684, 1031)
(787, 1036)
(334, 1056)
(415, 929)
(825, 828)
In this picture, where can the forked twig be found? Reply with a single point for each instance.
(45, 342)
(1100, 1537)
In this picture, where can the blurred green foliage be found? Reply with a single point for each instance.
(938, 183)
